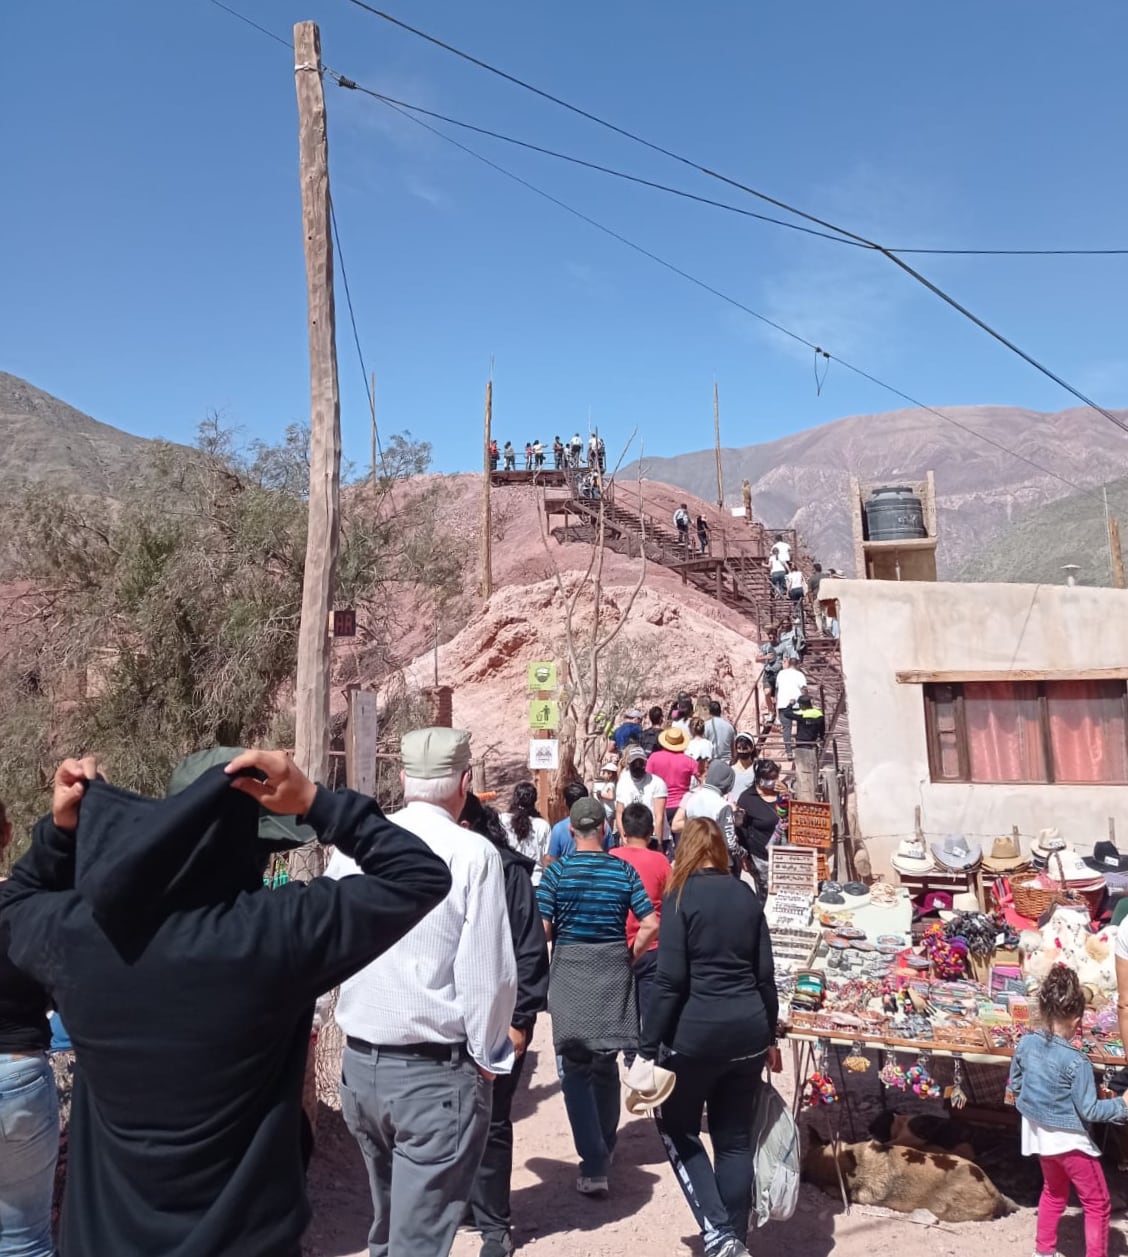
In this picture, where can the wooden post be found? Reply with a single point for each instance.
(717, 445)
(311, 707)
(360, 742)
(487, 538)
(1116, 554)
(746, 497)
(806, 772)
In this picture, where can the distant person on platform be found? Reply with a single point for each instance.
(557, 452)
(538, 454)
(796, 586)
(813, 583)
(720, 732)
(584, 902)
(528, 456)
(681, 523)
(648, 738)
(576, 448)
(777, 574)
(493, 455)
(600, 455)
(636, 785)
(702, 526)
(509, 454)
(782, 550)
(428, 1026)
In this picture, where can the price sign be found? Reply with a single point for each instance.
(794, 869)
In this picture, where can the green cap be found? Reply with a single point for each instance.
(435, 752)
(587, 815)
(283, 833)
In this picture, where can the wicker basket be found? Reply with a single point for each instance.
(1032, 901)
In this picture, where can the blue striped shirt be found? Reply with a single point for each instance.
(587, 896)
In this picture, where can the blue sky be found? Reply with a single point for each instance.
(154, 271)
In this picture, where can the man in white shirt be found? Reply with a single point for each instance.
(636, 785)
(790, 683)
(777, 574)
(427, 1025)
(782, 550)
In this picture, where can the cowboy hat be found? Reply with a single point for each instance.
(1107, 859)
(673, 739)
(1047, 842)
(956, 854)
(1074, 870)
(912, 857)
(1006, 855)
(648, 1085)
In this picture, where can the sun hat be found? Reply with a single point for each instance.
(673, 739)
(1074, 869)
(587, 815)
(912, 857)
(611, 765)
(1047, 842)
(1006, 855)
(648, 1086)
(935, 901)
(1107, 859)
(955, 853)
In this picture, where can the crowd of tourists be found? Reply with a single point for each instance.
(188, 988)
(571, 454)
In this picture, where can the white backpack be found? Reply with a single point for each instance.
(775, 1143)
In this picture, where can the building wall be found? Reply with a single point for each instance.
(891, 626)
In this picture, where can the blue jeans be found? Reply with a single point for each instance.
(29, 1147)
(590, 1082)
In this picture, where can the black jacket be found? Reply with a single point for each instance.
(188, 992)
(530, 947)
(714, 993)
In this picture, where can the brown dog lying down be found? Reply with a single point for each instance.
(905, 1179)
(926, 1131)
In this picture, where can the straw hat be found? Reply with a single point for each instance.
(648, 1085)
(673, 739)
(1006, 855)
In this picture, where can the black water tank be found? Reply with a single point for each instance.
(894, 513)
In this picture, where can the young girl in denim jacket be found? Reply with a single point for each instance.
(1053, 1087)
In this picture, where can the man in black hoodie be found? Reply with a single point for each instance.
(188, 992)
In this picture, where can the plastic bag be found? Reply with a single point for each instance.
(775, 1143)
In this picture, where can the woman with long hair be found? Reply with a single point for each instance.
(29, 1108)
(528, 831)
(714, 1012)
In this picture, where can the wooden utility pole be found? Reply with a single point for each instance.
(717, 445)
(1116, 554)
(487, 531)
(372, 408)
(311, 743)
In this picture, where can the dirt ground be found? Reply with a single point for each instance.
(646, 1211)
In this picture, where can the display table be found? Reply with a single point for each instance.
(968, 882)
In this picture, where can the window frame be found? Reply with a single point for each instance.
(963, 749)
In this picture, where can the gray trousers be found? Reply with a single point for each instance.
(421, 1125)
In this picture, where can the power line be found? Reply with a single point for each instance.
(763, 196)
(733, 301)
(242, 18)
(352, 315)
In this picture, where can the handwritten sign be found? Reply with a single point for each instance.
(544, 713)
(810, 825)
(793, 869)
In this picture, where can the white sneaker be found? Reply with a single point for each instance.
(591, 1186)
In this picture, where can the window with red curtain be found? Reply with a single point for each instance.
(1070, 732)
(1088, 731)
(1004, 731)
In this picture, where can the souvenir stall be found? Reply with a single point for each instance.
(931, 988)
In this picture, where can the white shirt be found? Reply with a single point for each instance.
(1045, 1141)
(699, 748)
(789, 683)
(708, 803)
(535, 847)
(795, 580)
(645, 790)
(782, 551)
(776, 564)
(452, 978)
(1121, 946)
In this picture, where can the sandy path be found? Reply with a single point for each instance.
(645, 1211)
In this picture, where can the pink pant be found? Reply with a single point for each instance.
(1087, 1177)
